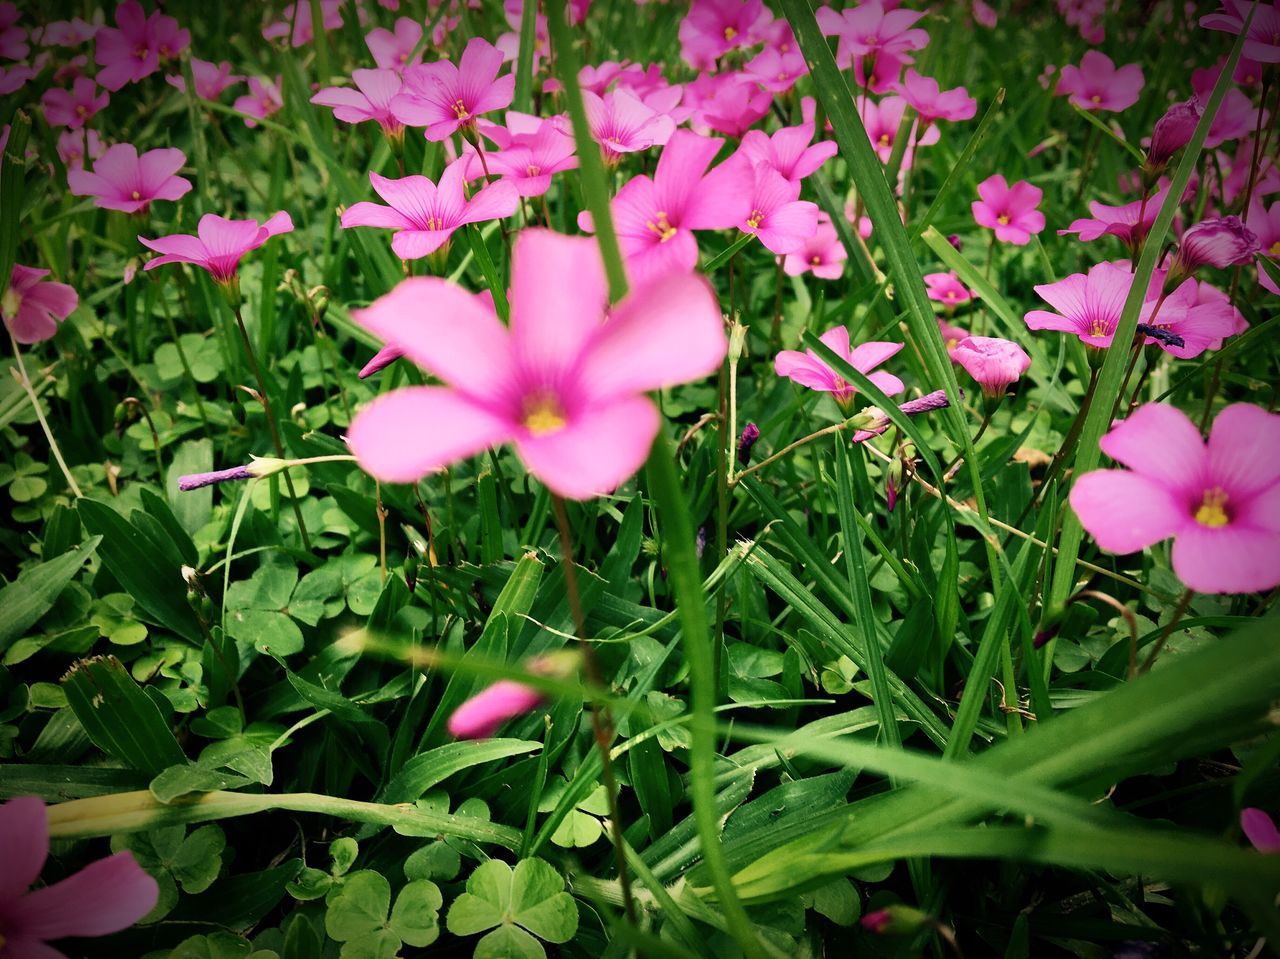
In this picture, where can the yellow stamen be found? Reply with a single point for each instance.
(533, 169)
(1274, 250)
(1003, 219)
(950, 294)
(816, 261)
(542, 414)
(755, 219)
(1098, 328)
(730, 33)
(1095, 99)
(661, 226)
(434, 224)
(884, 140)
(136, 195)
(460, 109)
(1213, 508)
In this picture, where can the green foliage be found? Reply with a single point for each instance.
(519, 906)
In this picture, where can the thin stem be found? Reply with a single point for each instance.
(382, 530)
(825, 431)
(271, 423)
(775, 330)
(155, 437)
(25, 382)
(724, 439)
(1183, 603)
(601, 721)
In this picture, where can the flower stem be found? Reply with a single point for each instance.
(825, 431)
(271, 424)
(21, 376)
(1181, 608)
(775, 330)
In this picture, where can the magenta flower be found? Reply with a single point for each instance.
(822, 254)
(984, 15)
(69, 33)
(564, 383)
(303, 31)
(122, 180)
(73, 144)
(104, 897)
(1118, 221)
(33, 307)
(134, 48)
(71, 108)
(262, 100)
(808, 369)
(656, 217)
(424, 214)
(729, 103)
(872, 30)
(13, 38)
(445, 98)
(1220, 243)
(925, 97)
(530, 160)
(1088, 305)
(882, 121)
(1265, 224)
(621, 123)
(774, 70)
(394, 50)
(211, 78)
(1172, 132)
(218, 245)
(481, 715)
(1009, 210)
(778, 217)
(946, 288)
(1194, 318)
(15, 78)
(370, 101)
(1220, 502)
(951, 336)
(994, 364)
(714, 27)
(1262, 42)
(1097, 85)
(1260, 830)
(788, 151)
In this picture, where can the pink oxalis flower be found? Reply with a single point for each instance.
(808, 369)
(714, 27)
(445, 98)
(1219, 502)
(211, 78)
(71, 108)
(1009, 210)
(123, 180)
(134, 47)
(789, 151)
(822, 254)
(262, 100)
(13, 38)
(371, 100)
(298, 16)
(621, 123)
(218, 245)
(104, 897)
(1129, 223)
(1265, 224)
(1098, 85)
(393, 49)
(33, 307)
(1260, 830)
(424, 214)
(1262, 42)
(932, 103)
(873, 30)
(481, 715)
(564, 383)
(529, 160)
(994, 364)
(73, 144)
(946, 288)
(778, 217)
(882, 121)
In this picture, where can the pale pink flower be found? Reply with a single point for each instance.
(371, 100)
(924, 96)
(1195, 317)
(1089, 305)
(951, 336)
(481, 715)
(729, 103)
(134, 47)
(1219, 502)
(262, 100)
(565, 383)
(123, 180)
(1260, 830)
(72, 145)
(714, 27)
(788, 151)
(218, 245)
(1118, 221)
(1262, 42)
(104, 897)
(71, 108)
(994, 364)
(946, 288)
(882, 121)
(822, 254)
(778, 217)
(1265, 224)
(777, 72)
(872, 29)
(211, 78)
(530, 160)
(391, 352)
(655, 217)
(33, 307)
(1098, 85)
(809, 370)
(70, 33)
(1009, 210)
(425, 215)
(13, 38)
(298, 16)
(621, 123)
(445, 98)
(394, 50)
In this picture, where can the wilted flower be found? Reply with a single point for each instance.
(994, 364)
(257, 468)
(1009, 210)
(750, 434)
(122, 180)
(33, 307)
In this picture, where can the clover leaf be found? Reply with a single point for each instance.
(517, 905)
(357, 916)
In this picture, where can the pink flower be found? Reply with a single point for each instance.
(299, 17)
(778, 217)
(564, 383)
(882, 121)
(134, 48)
(729, 103)
(777, 72)
(394, 50)
(655, 218)
(1173, 131)
(1194, 318)
(211, 78)
(71, 33)
(530, 160)
(1220, 243)
(809, 370)
(923, 94)
(1236, 118)
(122, 180)
(1118, 221)
(788, 151)
(445, 98)
(219, 245)
(822, 254)
(1089, 305)
(951, 336)
(946, 288)
(880, 74)
(370, 101)
(33, 307)
(1009, 210)
(425, 215)
(262, 100)
(13, 38)
(104, 897)
(994, 364)
(621, 123)
(714, 27)
(1220, 502)
(71, 108)
(1260, 830)
(73, 143)
(984, 15)
(1265, 224)
(481, 715)
(1097, 85)
(1262, 42)
(872, 30)
(15, 78)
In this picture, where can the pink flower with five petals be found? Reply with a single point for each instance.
(218, 245)
(808, 369)
(445, 98)
(1009, 210)
(123, 180)
(371, 100)
(1097, 84)
(33, 307)
(134, 47)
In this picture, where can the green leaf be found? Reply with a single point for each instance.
(360, 907)
(415, 918)
(34, 592)
(539, 902)
(119, 717)
(436, 765)
(509, 942)
(193, 508)
(531, 896)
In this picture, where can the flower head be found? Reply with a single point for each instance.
(296, 23)
(104, 897)
(371, 100)
(262, 100)
(1262, 42)
(393, 50)
(1172, 132)
(481, 715)
(925, 97)
(74, 144)
(1089, 305)
(134, 47)
(778, 217)
(564, 383)
(424, 214)
(1220, 243)
(71, 108)
(808, 369)
(872, 29)
(1009, 210)
(211, 78)
(729, 103)
(714, 27)
(445, 98)
(883, 120)
(218, 245)
(1265, 224)
(822, 254)
(621, 123)
(123, 180)
(946, 288)
(789, 150)
(994, 364)
(1098, 85)
(530, 159)
(1219, 502)
(33, 307)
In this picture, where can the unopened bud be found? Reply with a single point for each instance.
(750, 433)
(895, 920)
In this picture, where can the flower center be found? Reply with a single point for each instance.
(1274, 249)
(141, 53)
(755, 219)
(1213, 508)
(730, 33)
(1095, 99)
(884, 140)
(435, 223)
(1003, 219)
(661, 226)
(82, 110)
(542, 414)
(459, 109)
(135, 195)
(950, 294)
(816, 261)
(533, 169)
(1099, 328)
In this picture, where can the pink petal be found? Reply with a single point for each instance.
(103, 897)
(1260, 830)
(279, 224)
(24, 844)
(1244, 450)
(867, 356)
(405, 434)
(493, 202)
(366, 213)
(889, 384)
(1125, 512)
(559, 293)
(597, 451)
(415, 244)
(481, 715)
(157, 166)
(21, 947)
(1160, 442)
(1227, 559)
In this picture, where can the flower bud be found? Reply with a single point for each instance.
(1220, 242)
(1172, 132)
(895, 920)
(750, 433)
(995, 364)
